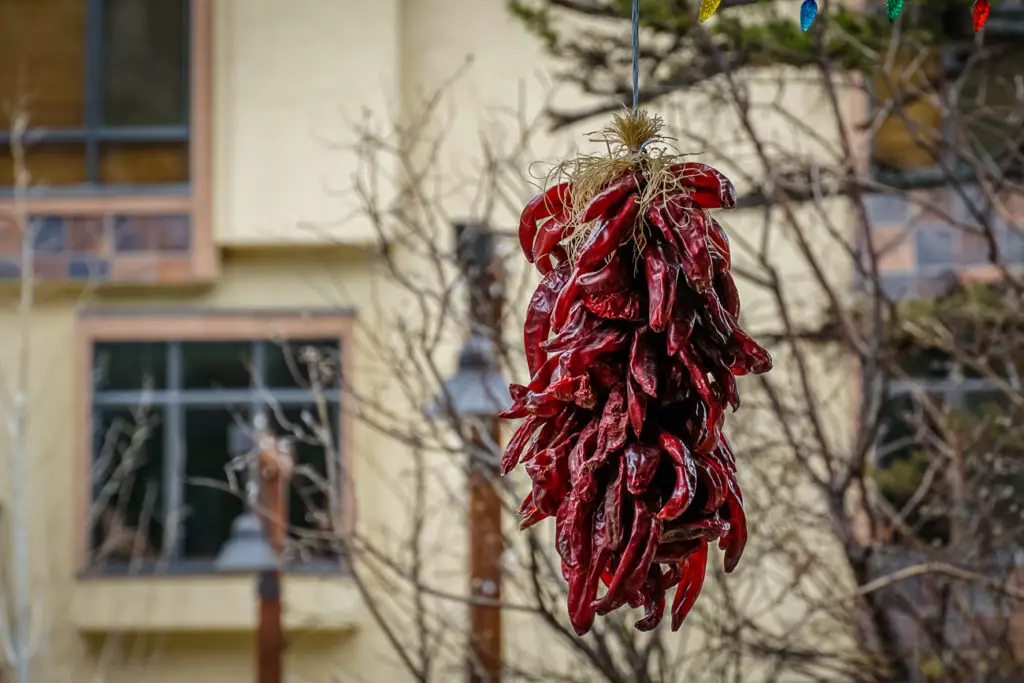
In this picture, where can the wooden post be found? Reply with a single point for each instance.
(485, 282)
(276, 464)
(486, 546)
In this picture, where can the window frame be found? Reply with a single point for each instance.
(193, 199)
(1005, 23)
(128, 325)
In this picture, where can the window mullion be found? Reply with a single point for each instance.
(93, 87)
(258, 379)
(174, 456)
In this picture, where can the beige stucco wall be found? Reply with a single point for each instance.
(194, 625)
(290, 79)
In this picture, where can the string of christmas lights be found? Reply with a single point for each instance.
(893, 8)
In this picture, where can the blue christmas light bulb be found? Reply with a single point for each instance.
(808, 10)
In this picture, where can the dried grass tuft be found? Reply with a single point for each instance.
(633, 142)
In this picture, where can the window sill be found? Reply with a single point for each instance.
(209, 603)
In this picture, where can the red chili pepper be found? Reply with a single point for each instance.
(611, 434)
(735, 540)
(693, 231)
(603, 340)
(579, 324)
(716, 320)
(720, 241)
(566, 298)
(662, 274)
(725, 289)
(556, 229)
(613, 507)
(641, 464)
(680, 327)
(538, 318)
(614, 276)
(636, 405)
(609, 197)
(675, 555)
(542, 206)
(652, 599)
(682, 494)
(708, 529)
(531, 515)
(518, 443)
(643, 363)
(707, 182)
(608, 235)
(694, 568)
(556, 259)
(615, 306)
(634, 584)
(750, 356)
(713, 482)
(630, 556)
(550, 485)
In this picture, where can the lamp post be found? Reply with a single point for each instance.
(252, 550)
(475, 396)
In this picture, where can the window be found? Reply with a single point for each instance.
(950, 431)
(953, 104)
(116, 97)
(171, 406)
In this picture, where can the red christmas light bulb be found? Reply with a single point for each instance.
(979, 13)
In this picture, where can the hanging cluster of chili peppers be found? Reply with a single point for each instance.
(632, 341)
(894, 8)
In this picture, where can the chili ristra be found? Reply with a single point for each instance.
(633, 343)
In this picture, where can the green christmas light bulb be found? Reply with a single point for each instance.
(894, 8)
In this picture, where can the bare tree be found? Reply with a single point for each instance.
(878, 249)
(26, 616)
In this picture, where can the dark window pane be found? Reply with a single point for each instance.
(1013, 244)
(909, 134)
(148, 233)
(128, 366)
(988, 104)
(127, 512)
(907, 445)
(289, 363)
(144, 67)
(216, 365)
(884, 208)
(209, 507)
(309, 510)
(974, 248)
(160, 163)
(41, 48)
(47, 163)
(936, 247)
(896, 287)
(924, 363)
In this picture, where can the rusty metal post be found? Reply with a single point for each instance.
(276, 463)
(485, 282)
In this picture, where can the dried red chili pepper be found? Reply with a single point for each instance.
(622, 438)
(614, 276)
(706, 179)
(695, 566)
(608, 235)
(615, 306)
(553, 231)
(643, 363)
(538, 318)
(605, 200)
(542, 206)
(662, 275)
